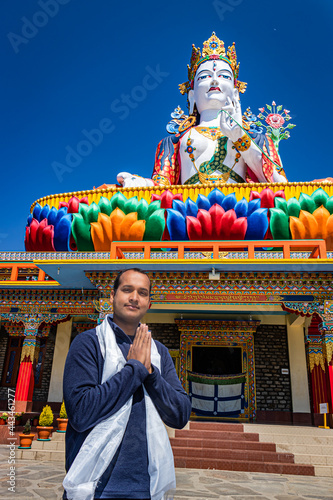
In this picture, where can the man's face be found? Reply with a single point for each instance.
(132, 298)
(213, 83)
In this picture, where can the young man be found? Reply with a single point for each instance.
(118, 381)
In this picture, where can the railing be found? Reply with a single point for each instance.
(317, 248)
(14, 272)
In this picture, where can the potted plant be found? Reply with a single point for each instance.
(3, 418)
(26, 437)
(18, 418)
(45, 424)
(62, 420)
(35, 421)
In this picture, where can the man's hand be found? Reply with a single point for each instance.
(140, 349)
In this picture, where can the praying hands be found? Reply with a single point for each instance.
(141, 347)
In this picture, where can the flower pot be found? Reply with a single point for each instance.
(62, 424)
(44, 433)
(3, 421)
(26, 440)
(18, 421)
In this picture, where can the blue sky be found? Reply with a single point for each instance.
(71, 66)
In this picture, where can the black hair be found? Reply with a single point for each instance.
(116, 282)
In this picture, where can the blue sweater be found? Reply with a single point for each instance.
(88, 402)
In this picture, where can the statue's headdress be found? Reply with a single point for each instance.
(213, 48)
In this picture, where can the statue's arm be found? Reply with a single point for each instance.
(166, 167)
(260, 164)
(250, 149)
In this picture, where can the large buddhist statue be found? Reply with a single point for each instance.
(213, 143)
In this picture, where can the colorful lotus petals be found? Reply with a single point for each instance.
(216, 197)
(266, 197)
(75, 225)
(176, 224)
(167, 198)
(101, 233)
(257, 225)
(39, 236)
(194, 228)
(279, 225)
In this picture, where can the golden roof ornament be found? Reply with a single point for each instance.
(213, 48)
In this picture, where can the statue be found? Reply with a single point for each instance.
(214, 143)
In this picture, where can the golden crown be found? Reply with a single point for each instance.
(213, 48)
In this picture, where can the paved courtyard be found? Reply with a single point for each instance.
(36, 480)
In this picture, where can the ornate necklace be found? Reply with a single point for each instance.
(212, 133)
(204, 177)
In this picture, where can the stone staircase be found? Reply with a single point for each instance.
(280, 449)
(309, 445)
(53, 450)
(207, 445)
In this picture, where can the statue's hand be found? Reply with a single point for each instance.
(129, 180)
(228, 126)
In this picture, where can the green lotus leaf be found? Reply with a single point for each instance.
(131, 205)
(105, 205)
(83, 211)
(279, 224)
(93, 212)
(320, 197)
(155, 226)
(294, 207)
(307, 203)
(118, 201)
(142, 209)
(154, 205)
(81, 234)
(281, 204)
(329, 205)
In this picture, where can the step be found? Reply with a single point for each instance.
(304, 439)
(215, 426)
(323, 471)
(326, 460)
(58, 436)
(288, 429)
(48, 445)
(309, 449)
(223, 445)
(310, 445)
(220, 435)
(56, 455)
(250, 455)
(245, 465)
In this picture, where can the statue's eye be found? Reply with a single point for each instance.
(226, 77)
(202, 77)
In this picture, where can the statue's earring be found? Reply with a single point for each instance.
(191, 101)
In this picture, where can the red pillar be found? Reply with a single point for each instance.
(326, 329)
(26, 376)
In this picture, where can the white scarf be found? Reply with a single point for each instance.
(102, 442)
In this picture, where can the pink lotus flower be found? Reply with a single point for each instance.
(286, 111)
(261, 110)
(274, 120)
(273, 103)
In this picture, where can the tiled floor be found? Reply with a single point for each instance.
(42, 480)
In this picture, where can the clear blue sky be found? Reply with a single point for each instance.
(68, 70)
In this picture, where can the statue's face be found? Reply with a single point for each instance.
(213, 83)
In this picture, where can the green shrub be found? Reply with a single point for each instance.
(46, 417)
(27, 427)
(63, 413)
